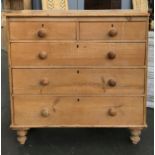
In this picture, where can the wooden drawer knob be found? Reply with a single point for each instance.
(45, 112)
(112, 83)
(44, 82)
(41, 33)
(42, 55)
(111, 55)
(112, 112)
(113, 32)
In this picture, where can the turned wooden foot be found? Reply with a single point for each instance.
(135, 135)
(21, 135)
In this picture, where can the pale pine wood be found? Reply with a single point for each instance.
(54, 30)
(82, 19)
(27, 4)
(77, 110)
(66, 30)
(21, 135)
(16, 4)
(77, 13)
(9, 68)
(135, 135)
(6, 4)
(56, 96)
(140, 5)
(78, 81)
(146, 74)
(55, 4)
(125, 30)
(13, 126)
(86, 54)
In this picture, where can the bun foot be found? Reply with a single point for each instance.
(21, 135)
(135, 135)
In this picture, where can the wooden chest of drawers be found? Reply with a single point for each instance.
(78, 69)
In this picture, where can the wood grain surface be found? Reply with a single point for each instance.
(77, 54)
(77, 110)
(78, 81)
(76, 13)
(54, 30)
(125, 30)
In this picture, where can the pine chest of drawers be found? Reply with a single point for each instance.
(78, 69)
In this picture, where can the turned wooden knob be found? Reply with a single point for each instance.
(112, 112)
(42, 55)
(45, 112)
(44, 82)
(112, 83)
(112, 32)
(111, 55)
(41, 33)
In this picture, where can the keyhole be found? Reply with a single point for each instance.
(77, 46)
(42, 25)
(78, 71)
(78, 100)
(112, 25)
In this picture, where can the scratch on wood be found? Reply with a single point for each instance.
(56, 101)
(41, 90)
(103, 84)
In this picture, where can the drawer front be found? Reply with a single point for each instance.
(80, 54)
(76, 111)
(113, 30)
(78, 81)
(42, 30)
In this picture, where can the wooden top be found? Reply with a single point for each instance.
(74, 13)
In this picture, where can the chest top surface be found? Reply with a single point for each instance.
(75, 13)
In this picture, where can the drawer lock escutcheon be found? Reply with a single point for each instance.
(78, 72)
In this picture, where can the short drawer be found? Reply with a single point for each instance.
(113, 30)
(77, 54)
(78, 111)
(42, 30)
(78, 81)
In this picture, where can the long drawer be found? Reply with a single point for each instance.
(113, 30)
(78, 81)
(87, 111)
(42, 30)
(77, 54)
